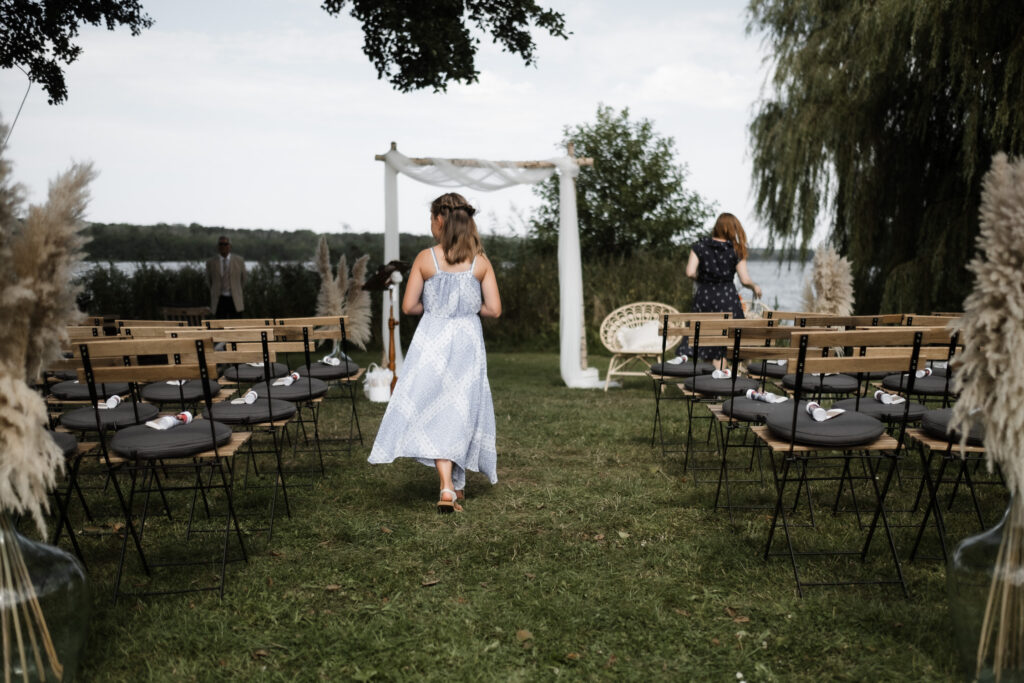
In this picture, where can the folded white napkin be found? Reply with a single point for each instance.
(331, 360)
(256, 365)
(722, 374)
(248, 399)
(941, 364)
(678, 360)
(823, 374)
(177, 382)
(766, 396)
(168, 421)
(887, 398)
(286, 381)
(111, 402)
(780, 361)
(820, 414)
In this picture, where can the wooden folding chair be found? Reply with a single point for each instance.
(801, 442)
(190, 457)
(345, 374)
(264, 417)
(667, 374)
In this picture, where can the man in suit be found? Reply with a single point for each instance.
(226, 277)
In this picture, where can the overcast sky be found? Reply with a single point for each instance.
(266, 113)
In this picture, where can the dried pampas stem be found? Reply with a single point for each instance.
(343, 295)
(24, 618)
(37, 302)
(990, 379)
(357, 305)
(829, 287)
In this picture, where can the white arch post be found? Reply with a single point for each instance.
(488, 176)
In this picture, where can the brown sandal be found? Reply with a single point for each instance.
(448, 506)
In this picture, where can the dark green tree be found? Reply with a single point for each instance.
(416, 44)
(412, 43)
(38, 35)
(882, 119)
(633, 198)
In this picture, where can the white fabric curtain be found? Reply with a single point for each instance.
(488, 176)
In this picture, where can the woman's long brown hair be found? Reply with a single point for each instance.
(460, 240)
(728, 227)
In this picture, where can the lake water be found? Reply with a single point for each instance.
(782, 286)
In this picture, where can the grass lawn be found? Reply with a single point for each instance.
(594, 557)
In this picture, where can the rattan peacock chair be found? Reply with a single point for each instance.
(633, 316)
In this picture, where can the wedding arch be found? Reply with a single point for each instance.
(487, 176)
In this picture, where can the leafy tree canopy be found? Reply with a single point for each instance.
(882, 119)
(634, 198)
(38, 35)
(414, 44)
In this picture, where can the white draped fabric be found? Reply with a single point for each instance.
(488, 176)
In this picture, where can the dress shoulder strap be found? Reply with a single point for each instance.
(472, 266)
(437, 268)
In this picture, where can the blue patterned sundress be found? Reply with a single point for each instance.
(441, 407)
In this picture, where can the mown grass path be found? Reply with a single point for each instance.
(593, 558)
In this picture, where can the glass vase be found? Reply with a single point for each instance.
(985, 580)
(44, 608)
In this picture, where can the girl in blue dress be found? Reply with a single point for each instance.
(441, 412)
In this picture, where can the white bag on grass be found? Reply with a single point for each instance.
(377, 383)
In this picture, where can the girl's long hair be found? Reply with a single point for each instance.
(460, 240)
(728, 227)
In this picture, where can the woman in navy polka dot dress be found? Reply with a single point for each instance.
(713, 262)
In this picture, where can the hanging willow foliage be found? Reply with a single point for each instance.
(880, 119)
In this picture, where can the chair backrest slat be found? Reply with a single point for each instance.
(886, 336)
(222, 323)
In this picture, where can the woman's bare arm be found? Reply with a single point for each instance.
(491, 307)
(412, 303)
(741, 270)
(691, 265)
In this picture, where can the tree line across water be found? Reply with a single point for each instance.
(283, 282)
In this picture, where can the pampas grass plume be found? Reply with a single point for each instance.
(990, 369)
(829, 287)
(344, 295)
(37, 302)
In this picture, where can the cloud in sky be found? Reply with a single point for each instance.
(271, 116)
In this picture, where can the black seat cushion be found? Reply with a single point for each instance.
(936, 423)
(709, 386)
(192, 390)
(244, 372)
(84, 419)
(63, 374)
(928, 386)
(263, 410)
(73, 390)
(327, 372)
(748, 410)
(883, 411)
(302, 389)
(825, 384)
(177, 442)
(67, 442)
(762, 368)
(843, 431)
(682, 369)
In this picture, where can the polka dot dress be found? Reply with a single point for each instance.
(715, 291)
